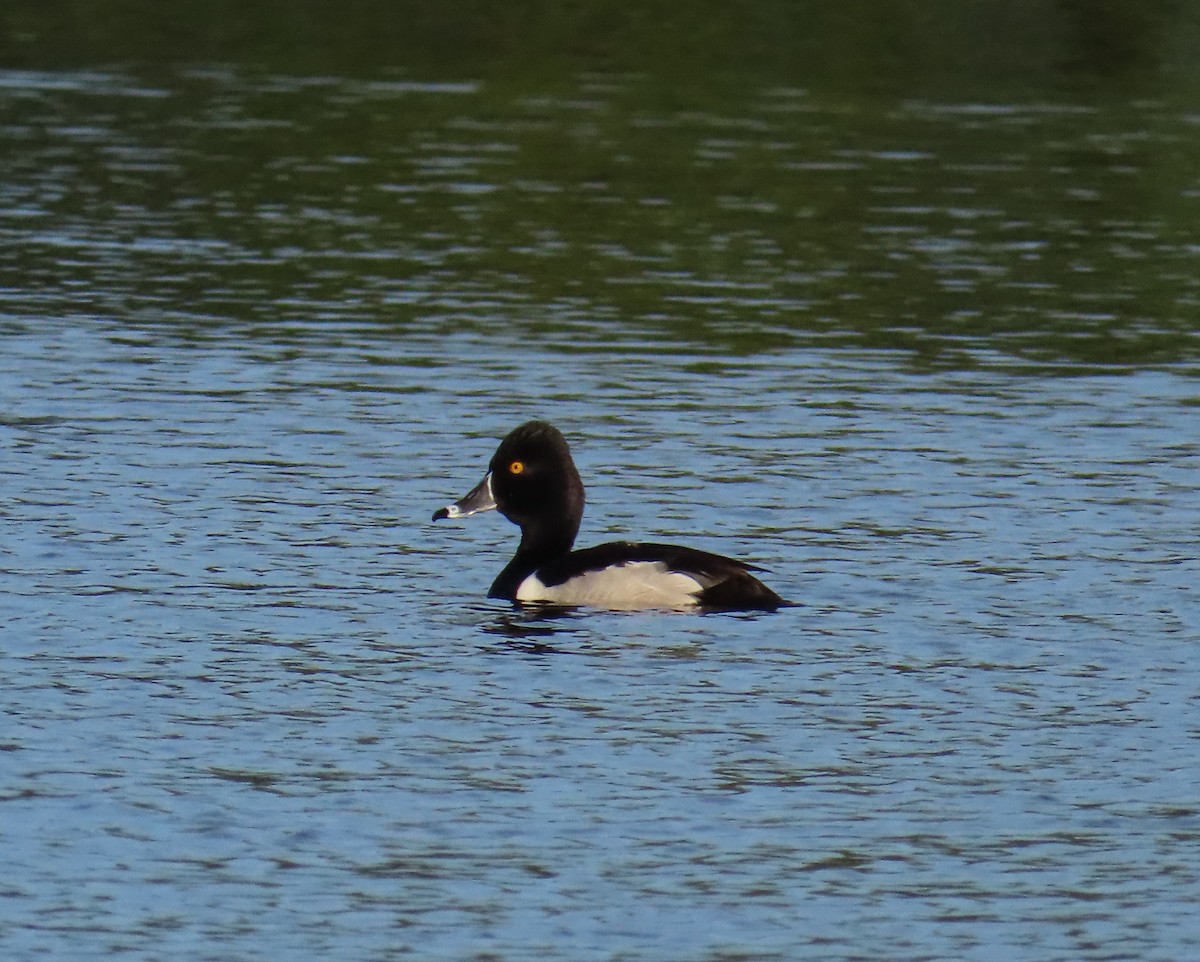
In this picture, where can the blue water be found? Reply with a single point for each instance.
(258, 707)
(930, 362)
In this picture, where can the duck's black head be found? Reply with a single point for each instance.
(536, 485)
(532, 480)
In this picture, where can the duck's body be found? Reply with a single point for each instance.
(628, 575)
(532, 479)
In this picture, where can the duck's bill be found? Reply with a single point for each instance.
(479, 498)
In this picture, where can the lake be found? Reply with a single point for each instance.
(924, 350)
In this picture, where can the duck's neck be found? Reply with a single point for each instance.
(539, 545)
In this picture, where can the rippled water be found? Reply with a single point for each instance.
(258, 707)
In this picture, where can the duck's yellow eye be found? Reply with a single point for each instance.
(516, 467)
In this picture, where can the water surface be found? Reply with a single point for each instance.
(931, 362)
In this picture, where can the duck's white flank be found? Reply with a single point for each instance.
(625, 587)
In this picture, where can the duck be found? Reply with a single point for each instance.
(532, 480)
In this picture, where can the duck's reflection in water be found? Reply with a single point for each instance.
(531, 628)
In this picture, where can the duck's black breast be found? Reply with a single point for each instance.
(627, 574)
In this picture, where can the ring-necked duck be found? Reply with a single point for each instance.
(534, 483)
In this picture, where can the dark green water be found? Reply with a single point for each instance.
(896, 300)
(948, 181)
